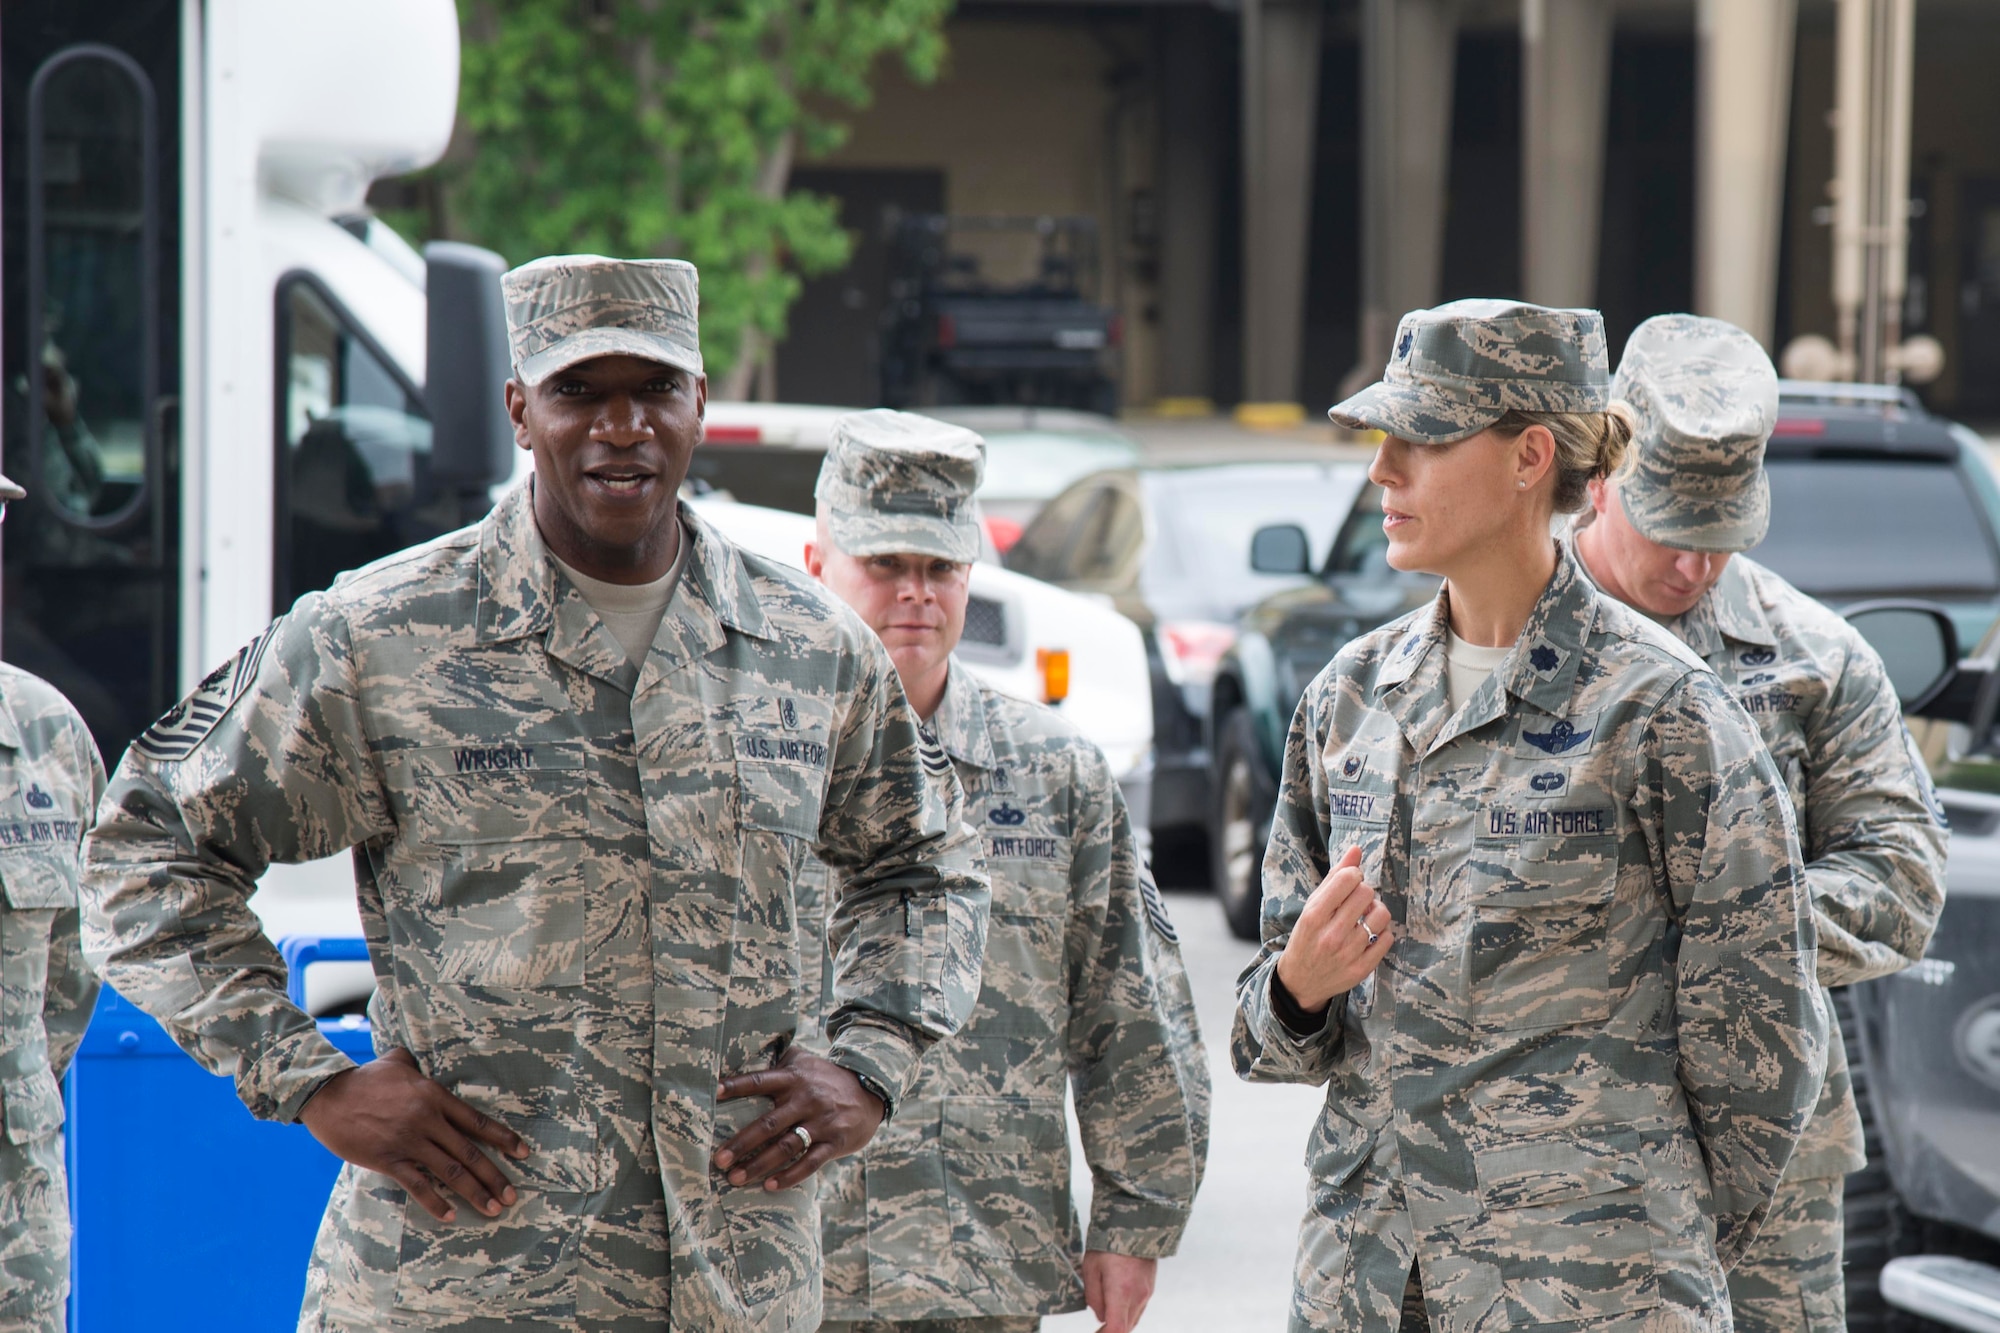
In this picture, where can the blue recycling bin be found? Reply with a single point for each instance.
(188, 1213)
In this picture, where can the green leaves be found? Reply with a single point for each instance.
(668, 128)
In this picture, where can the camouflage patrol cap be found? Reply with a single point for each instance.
(1459, 368)
(895, 482)
(10, 489)
(1705, 398)
(564, 309)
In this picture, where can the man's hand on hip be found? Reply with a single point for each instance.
(809, 1093)
(387, 1117)
(1117, 1287)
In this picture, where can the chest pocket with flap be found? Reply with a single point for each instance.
(1539, 955)
(467, 795)
(506, 892)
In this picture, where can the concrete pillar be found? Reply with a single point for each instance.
(1408, 55)
(1281, 56)
(1192, 124)
(1565, 92)
(1744, 113)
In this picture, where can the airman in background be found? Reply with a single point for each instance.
(957, 1219)
(580, 751)
(1664, 537)
(50, 779)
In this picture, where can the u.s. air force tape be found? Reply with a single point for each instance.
(187, 724)
(1156, 908)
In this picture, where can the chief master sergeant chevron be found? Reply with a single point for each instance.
(50, 779)
(1663, 536)
(580, 752)
(957, 1218)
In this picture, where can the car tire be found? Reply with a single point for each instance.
(1245, 796)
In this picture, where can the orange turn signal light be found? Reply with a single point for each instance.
(1053, 663)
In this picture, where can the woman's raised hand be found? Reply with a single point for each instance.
(1341, 935)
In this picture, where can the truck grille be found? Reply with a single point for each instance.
(986, 622)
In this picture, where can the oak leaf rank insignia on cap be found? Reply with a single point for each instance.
(1459, 368)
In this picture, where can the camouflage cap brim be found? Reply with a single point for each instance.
(1691, 511)
(1412, 412)
(587, 344)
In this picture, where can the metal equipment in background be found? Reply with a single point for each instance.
(997, 310)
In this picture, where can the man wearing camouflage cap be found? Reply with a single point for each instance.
(50, 779)
(580, 751)
(1664, 537)
(1527, 917)
(957, 1217)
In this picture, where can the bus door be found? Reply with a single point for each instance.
(90, 103)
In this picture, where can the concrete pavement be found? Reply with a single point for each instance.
(1234, 1271)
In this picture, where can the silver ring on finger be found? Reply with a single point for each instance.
(805, 1139)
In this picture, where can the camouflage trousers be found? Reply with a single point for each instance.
(1790, 1281)
(979, 1323)
(48, 1319)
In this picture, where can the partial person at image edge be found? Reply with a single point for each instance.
(50, 781)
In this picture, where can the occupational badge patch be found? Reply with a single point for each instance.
(187, 724)
(1558, 739)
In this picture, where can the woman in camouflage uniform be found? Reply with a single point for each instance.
(1533, 910)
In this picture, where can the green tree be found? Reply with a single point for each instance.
(669, 128)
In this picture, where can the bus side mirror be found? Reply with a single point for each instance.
(466, 366)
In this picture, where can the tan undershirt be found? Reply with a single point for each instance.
(1466, 667)
(631, 611)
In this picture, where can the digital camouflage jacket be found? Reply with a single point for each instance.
(576, 878)
(50, 779)
(961, 1206)
(1571, 1086)
(1870, 827)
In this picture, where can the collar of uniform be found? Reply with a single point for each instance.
(716, 577)
(1541, 670)
(960, 721)
(10, 734)
(1410, 685)
(517, 580)
(714, 593)
(1729, 610)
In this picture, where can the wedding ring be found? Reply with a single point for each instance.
(805, 1138)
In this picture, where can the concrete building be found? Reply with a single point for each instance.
(1275, 181)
